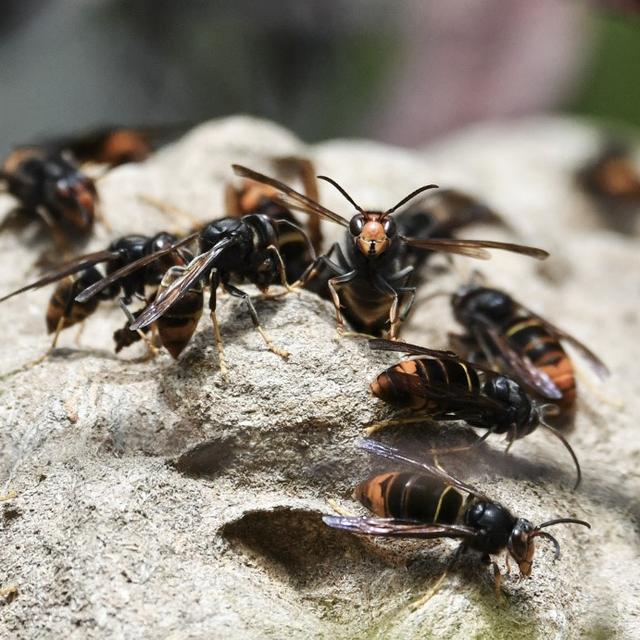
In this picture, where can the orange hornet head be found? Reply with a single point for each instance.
(522, 546)
(372, 232)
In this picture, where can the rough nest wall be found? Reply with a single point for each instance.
(156, 500)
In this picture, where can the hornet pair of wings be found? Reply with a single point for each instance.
(91, 259)
(470, 248)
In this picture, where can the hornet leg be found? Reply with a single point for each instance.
(280, 267)
(152, 350)
(320, 263)
(497, 576)
(394, 311)
(333, 284)
(214, 282)
(420, 602)
(238, 293)
(79, 333)
(407, 306)
(50, 350)
(341, 511)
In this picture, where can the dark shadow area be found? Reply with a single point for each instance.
(207, 458)
(10, 513)
(330, 568)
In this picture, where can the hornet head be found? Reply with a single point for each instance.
(373, 232)
(521, 544)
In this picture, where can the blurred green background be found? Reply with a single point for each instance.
(611, 88)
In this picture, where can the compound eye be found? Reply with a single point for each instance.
(519, 545)
(389, 227)
(356, 225)
(63, 189)
(520, 542)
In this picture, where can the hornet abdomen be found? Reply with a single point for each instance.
(411, 496)
(179, 322)
(530, 337)
(398, 385)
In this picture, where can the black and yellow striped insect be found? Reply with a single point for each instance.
(152, 255)
(439, 385)
(432, 503)
(230, 249)
(506, 336)
(176, 326)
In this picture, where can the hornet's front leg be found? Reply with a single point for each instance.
(321, 262)
(282, 273)
(397, 312)
(333, 285)
(497, 575)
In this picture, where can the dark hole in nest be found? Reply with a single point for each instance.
(297, 546)
(207, 458)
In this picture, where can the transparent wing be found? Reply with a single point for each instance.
(91, 291)
(395, 454)
(380, 344)
(79, 264)
(178, 288)
(474, 248)
(290, 197)
(396, 528)
(521, 365)
(600, 367)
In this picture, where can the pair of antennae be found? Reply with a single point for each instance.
(543, 534)
(404, 200)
